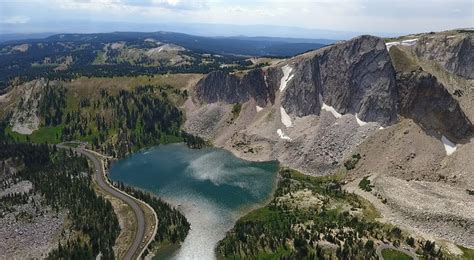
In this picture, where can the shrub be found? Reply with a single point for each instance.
(364, 184)
(352, 162)
(236, 110)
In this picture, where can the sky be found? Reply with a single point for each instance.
(368, 16)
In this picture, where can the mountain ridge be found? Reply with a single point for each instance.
(422, 140)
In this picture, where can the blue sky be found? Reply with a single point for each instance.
(402, 16)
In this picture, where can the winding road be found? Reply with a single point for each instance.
(383, 246)
(99, 174)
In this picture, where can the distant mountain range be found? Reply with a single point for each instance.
(237, 45)
(200, 29)
(136, 53)
(8, 37)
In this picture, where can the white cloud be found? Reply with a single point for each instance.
(90, 5)
(132, 5)
(17, 19)
(181, 4)
(238, 10)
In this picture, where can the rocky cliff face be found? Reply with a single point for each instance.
(301, 96)
(25, 118)
(358, 77)
(427, 101)
(453, 52)
(355, 77)
(219, 86)
(309, 112)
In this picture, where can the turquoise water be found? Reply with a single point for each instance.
(210, 186)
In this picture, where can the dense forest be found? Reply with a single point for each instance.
(340, 226)
(137, 118)
(64, 179)
(116, 124)
(52, 105)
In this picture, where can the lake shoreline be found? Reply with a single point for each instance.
(211, 187)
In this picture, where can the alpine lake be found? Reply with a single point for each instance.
(210, 186)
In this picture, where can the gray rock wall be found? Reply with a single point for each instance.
(427, 101)
(354, 77)
(453, 52)
(300, 97)
(220, 86)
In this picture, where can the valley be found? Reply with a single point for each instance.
(356, 150)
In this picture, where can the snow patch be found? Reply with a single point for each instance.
(164, 48)
(258, 108)
(390, 44)
(265, 79)
(151, 40)
(360, 122)
(283, 135)
(285, 118)
(286, 76)
(328, 108)
(381, 128)
(154, 51)
(449, 146)
(408, 42)
(117, 45)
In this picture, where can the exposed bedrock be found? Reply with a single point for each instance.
(453, 52)
(427, 101)
(219, 86)
(354, 77)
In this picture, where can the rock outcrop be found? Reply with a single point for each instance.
(453, 52)
(357, 77)
(301, 96)
(220, 86)
(308, 112)
(354, 77)
(25, 118)
(427, 101)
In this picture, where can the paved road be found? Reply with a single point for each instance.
(387, 246)
(134, 250)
